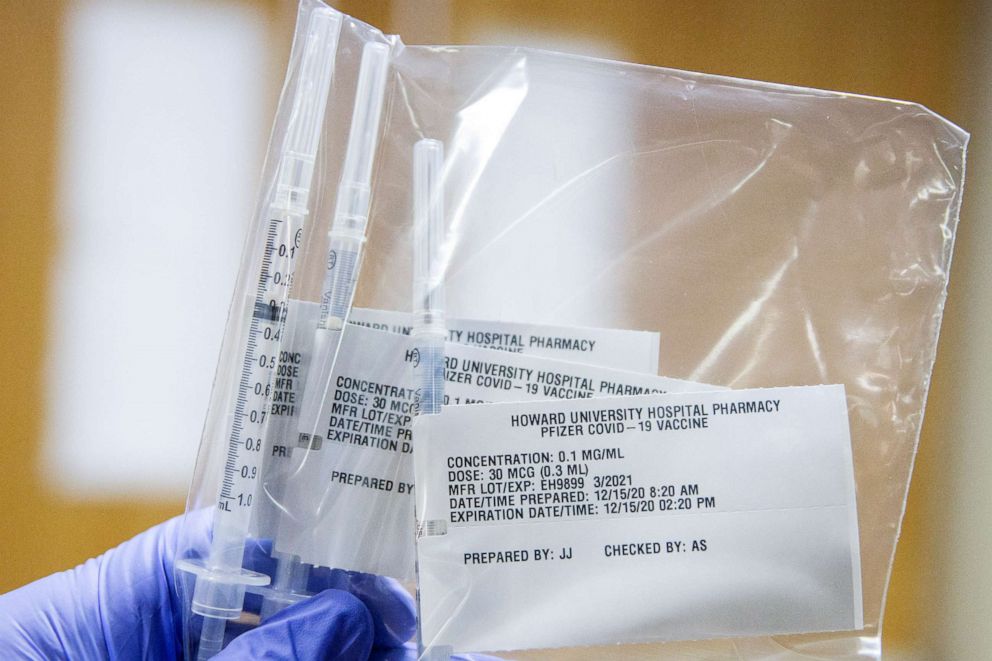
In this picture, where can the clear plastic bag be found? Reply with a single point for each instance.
(772, 235)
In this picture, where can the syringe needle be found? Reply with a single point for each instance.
(351, 210)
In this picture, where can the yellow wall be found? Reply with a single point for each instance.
(921, 51)
(41, 531)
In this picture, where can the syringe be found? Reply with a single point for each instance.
(220, 579)
(428, 331)
(345, 239)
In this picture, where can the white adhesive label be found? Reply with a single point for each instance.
(635, 519)
(636, 351)
(349, 493)
(297, 389)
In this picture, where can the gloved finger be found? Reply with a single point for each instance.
(333, 624)
(393, 610)
(121, 603)
(409, 653)
(258, 556)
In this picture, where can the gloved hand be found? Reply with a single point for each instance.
(123, 605)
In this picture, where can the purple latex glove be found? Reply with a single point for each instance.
(123, 605)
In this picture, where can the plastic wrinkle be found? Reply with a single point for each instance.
(768, 289)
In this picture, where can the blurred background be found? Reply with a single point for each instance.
(131, 141)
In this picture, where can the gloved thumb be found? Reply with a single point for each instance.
(333, 624)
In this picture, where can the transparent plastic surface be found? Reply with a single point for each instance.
(774, 236)
(331, 104)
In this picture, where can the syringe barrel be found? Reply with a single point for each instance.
(429, 266)
(430, 372)
(339, 279)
